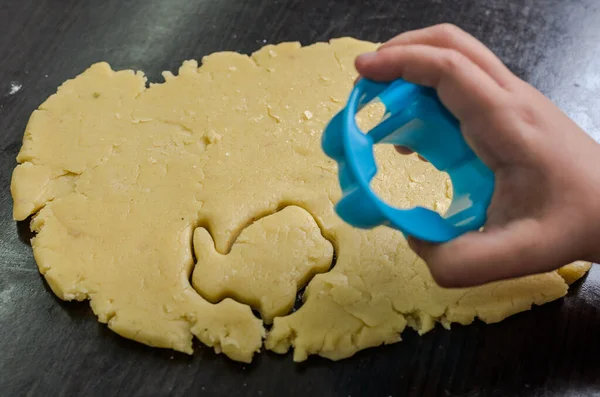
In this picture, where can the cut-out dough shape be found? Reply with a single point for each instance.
(119, 175)
(268, 263)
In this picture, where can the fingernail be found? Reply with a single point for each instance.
(403, 150)
(367, 56)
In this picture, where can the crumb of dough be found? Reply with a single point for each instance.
(125, 182)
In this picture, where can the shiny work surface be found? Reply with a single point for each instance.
(51, 348)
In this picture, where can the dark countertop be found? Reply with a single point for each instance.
(52, 348)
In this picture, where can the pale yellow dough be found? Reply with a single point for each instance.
(120, 178)
(270, 261)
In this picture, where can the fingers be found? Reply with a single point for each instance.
(464, 88)
(452, 37)
(477, 258)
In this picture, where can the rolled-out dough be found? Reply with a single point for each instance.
(125, 182)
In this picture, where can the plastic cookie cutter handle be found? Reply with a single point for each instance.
(416, 119)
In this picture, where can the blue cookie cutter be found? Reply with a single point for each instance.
(414, 118)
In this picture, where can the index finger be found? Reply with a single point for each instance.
(462, 86)
(452, 37)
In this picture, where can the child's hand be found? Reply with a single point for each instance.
(545, 211)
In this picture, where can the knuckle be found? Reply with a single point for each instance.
(447, 30)
(526, 112)
(525, 136)
(453, 61)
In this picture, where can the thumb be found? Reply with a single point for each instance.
(517, 249)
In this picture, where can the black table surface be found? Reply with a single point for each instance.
(52, 348)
